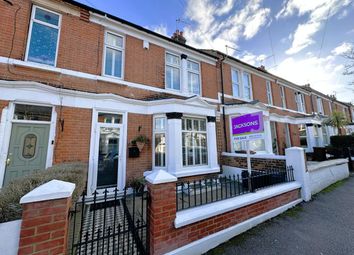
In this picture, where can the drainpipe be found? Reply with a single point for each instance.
(223, 101)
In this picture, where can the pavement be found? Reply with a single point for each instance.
(325, 225)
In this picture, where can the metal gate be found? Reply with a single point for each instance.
(109, 223)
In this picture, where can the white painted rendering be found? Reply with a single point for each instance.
(160, 176)
(211, 241)
(10, 237)
(192, 215)
(323, 174)
(295, 157)
(51, 190)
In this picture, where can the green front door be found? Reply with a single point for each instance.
(27, 150)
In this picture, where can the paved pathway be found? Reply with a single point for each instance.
(323, 226)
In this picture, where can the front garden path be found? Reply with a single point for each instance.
(324, 225)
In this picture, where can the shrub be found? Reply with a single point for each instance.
(342, 141)
(10, 195)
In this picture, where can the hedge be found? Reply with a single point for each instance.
(342, 141)
(10, 195)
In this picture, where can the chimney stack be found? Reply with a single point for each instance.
(178, 36)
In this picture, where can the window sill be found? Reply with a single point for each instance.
(189, 216)
(184, 172)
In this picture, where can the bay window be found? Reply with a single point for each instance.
(114, 48)
(193, 77)
(303, 135)
(194, 142)
(287, 136)
(173, 79)
(325, 135)
(43, 36)
(159, 142)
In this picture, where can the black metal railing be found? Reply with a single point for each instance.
(204, 191)
(109, 222)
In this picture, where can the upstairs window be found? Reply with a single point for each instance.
(235, 83)
(319, 105)
(246, 79)
(193, 77)
(43, 36)
(241, 85)
(114, 49)
(269, 92)
(282, 96)
(300, 102)
(173, 73)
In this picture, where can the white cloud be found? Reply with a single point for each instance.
(161, 29)
(324, 74)
(317, 11)
(252, 59)
(343, 14)
(210, 31)
(343, 48)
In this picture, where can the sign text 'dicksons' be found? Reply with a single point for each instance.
(248, 126)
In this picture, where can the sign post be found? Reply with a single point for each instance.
(246, 128)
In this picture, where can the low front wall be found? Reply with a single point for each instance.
(325, 173)
(10, 236)
(258, 162)
(166, 236)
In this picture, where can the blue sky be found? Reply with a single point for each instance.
(300, 40)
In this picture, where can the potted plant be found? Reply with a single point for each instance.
(140, 141)
(138, 184)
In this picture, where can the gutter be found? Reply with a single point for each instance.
(223, 101)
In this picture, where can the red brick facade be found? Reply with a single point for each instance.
(256, 163)
(44, 227)
(164, 237)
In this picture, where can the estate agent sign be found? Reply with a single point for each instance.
(248, 127)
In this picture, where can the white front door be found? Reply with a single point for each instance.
(107, 167)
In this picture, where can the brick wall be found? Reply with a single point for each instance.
(210, 86)
(308, 104)
(259, 89)
(256, 163)
(165, 237)
(44, 227)
(290, 99)
(137, 166)
(3, 104)
(72, 143)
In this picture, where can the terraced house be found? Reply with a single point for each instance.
(78, 84)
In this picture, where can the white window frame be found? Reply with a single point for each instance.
(122, 49)
(194, 72)
(174, 66)
(300, 102)
(29, 36)
(241, 85)
(193, 131)
(287, 135)
(283, 97)
(319, 105)
(154, 132)
(269, 92)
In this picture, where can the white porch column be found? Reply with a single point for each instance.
(212, 147)
(310, 137)
(320, 136)
(184, 74)
(174, 142)
(267, 135)
(295, 157)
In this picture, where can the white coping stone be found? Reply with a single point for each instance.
(203, 212)
(206, 243)
(266, 156)
(10, 237)
(160, 176)
(51, 190)
(317, 165)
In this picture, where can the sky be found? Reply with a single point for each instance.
(302, 41)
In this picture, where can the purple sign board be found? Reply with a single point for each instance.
(248, 126)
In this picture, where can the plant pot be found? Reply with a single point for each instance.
(140, 145)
